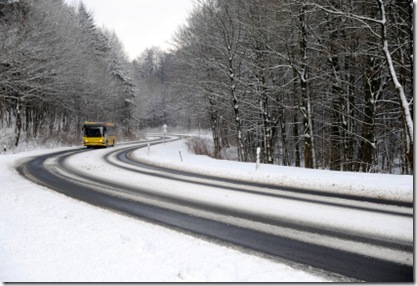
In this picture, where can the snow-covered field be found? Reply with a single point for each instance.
(45, 236)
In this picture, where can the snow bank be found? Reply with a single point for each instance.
(391, 187)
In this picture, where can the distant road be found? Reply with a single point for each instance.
(344, 254)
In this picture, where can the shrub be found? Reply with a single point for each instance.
(200, 146)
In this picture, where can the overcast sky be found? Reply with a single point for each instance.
(140, 24)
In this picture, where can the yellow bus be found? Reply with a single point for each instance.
(99, 134)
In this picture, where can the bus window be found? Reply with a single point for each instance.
(94, 132)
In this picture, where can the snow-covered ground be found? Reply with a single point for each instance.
(45, 236)
(391, 187)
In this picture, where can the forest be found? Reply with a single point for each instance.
(57, 69)
(323, 84)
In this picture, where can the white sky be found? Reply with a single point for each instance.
(140, 24)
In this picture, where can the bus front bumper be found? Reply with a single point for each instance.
(94, 142)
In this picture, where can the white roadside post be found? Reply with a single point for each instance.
(258, 159)
(165, 131)
(180, 156)
(149, 148)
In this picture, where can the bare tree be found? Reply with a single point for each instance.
(385, 24)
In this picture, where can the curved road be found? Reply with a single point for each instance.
(239, 213)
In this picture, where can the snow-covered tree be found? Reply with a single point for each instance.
(322, 78)
(57, 70)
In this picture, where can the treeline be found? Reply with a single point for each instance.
(320, 84)
(57, 69)
(157, 101)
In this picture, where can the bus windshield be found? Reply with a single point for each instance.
(93, 131)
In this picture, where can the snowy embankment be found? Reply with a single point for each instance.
(383, 186)
(47, 237)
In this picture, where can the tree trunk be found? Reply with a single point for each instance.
(309, 155)
(285, 155)
(309, 160)
(296, 135)
(19, 111)
(215, 126)
(268, 127)
(405, 105)
(368, 133)
(368, 145)
(236, 112)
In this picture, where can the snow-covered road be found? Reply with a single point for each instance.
(392, 225)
